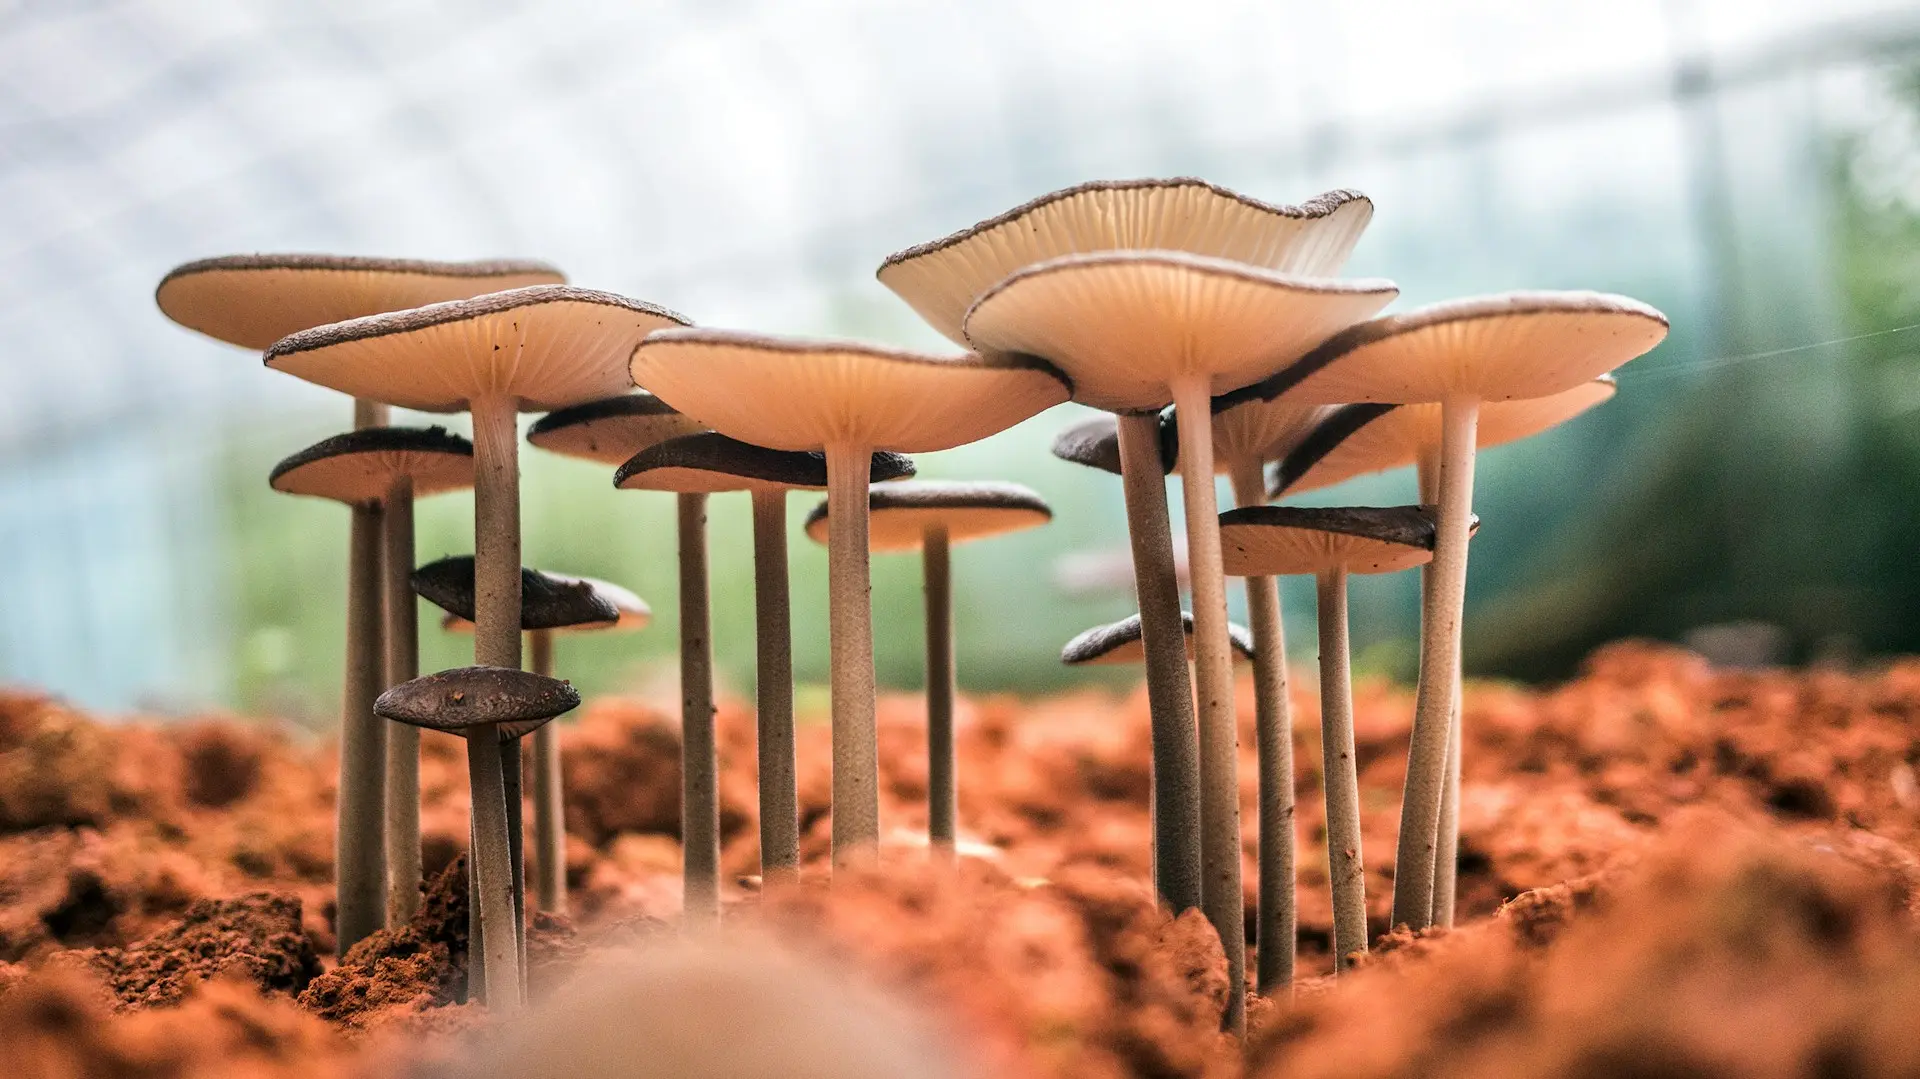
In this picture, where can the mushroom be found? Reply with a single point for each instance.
(1120, 642)
(1460, 353)
(695, 466)
(541, 347)
(1278, 541)
(489, 705)
(1134, 329)
(845, 399)
(1358, 439)
(930, 516)
(388, 466)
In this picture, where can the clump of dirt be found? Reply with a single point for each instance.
(397, 973)
(253, 939)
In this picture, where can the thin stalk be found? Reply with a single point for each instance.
(1220, 887)
(1176, 746)
(549, 800)
(936, 570)
(360, 875)
(403, 740)
(699, 782)
(499, 971)
(773, 630)
(1446, 859)
(1439, 671)
(1273, 737)
(1340, 774)
(513, 790)
(856, 774)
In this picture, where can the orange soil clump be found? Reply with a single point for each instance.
(1665, 869)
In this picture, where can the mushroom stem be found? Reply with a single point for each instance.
(1176, 747)
(1340, 774)
(1220, 887)
(1447, 856)
(512, 790)
(1439, 670)
(403, 740)
(1273, 736)
(856, 779)
(361, 844)
(773, 629)
(549, 805)
(500, 948)
(699, 785)
(936, 569)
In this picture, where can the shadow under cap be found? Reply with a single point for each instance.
(712, 463)
(901, 513)
(612, 429)
(458, 700)
(359, 466)
(547, 600)
(1095, 443)
(1119, 642)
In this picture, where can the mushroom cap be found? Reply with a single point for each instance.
(1119, 642)
(1279, 541)
(461, 699)
(545, 347)
(547, 600)
(360, 466)
(1355, 440)
(612, 429)
(712, 463)
(1095, 442)
(902, 512)
(254, 300)
(1123, 325)
(1255, 430)
(794, 394)
(1503, 347)
(941, 279)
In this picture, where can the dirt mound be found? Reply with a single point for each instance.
(254, 939)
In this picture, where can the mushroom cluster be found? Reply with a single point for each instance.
(1213, 327)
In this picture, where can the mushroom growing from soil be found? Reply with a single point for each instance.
(844, 399)
(1461, 353)
(538, 348)
(930, 516)
(389, 466)
(1279, 541)
(695, 466)
(1355, 440)
(1135, 330)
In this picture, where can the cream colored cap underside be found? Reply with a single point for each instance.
(613, 440)
(367, 476)
(696, 481)
(1250, 550)
(905, 529)
(1261, 431)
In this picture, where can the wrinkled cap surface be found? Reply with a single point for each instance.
(460, 700)
(941, 279)
(902, 513)
(712, 463)
(1095, 443)
(793, 394)
(612, 429)
(1119, 642)
(543, 347)
(1279, 541)
(547, 600)
(360, 466)
(1124, 325)
(254, 300)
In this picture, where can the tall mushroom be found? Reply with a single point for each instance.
(254, 300)
(390, 466)
(1358, 439)
(695, 466)
(844, 399)
(1279, 541)
(930, 516)
(1505, 347)
(541, 347)
(1133, 330)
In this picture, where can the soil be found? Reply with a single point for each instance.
(1666, 870)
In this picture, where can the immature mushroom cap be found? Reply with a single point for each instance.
(941, 279)
(612, 429)
(1355, 440)
(1123, 324)
(1119, 642)
(360, 466)
(254, 300)
(547, 600)
(1095, 443)
(902, 512)
(544, 347)
(791, 394)
(458, 700)
(712, 463)
(1279, 541)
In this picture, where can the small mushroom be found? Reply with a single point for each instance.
(1120, 642)
(695, 466)
(930, 516)
(1278, 541)
(1461, 353)
(846, 400)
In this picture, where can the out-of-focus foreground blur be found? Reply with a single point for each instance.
(1752, 167)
